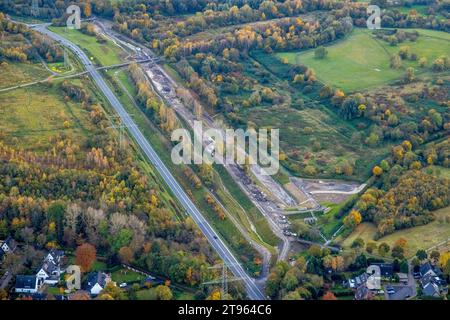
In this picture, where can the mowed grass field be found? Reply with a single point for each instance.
(362, 62)
(106, 54)
(422, 237)
(30, 116)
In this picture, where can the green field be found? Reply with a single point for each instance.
(12, 74)
(362, 62)
(327, 129)
(106, 54)
(125, 275)
(422, 10)
(422, 237)
(32, 115)
(150, 294)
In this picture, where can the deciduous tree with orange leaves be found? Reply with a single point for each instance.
(85, 256)
(329, 296)
(353, 219)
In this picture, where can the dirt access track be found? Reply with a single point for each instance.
(334, 191)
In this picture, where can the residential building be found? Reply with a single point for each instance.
(96, 282)
(49, 273)
(26, 284)
(6, 246)
(54, 256)
(431, 289)
(427, 269)
(386, 269)
(433, 285)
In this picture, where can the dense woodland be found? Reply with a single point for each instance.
(406, 190)
(93, 192)
(22, 44)
(96, 193)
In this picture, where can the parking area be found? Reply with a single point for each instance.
(398, 292)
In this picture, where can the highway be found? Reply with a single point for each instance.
(222, 250)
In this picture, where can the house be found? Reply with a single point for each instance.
(386, 269)
(432, 284)
(26, 284)
(48, 273)
(431, 289)
(7, 246)
(363, 293)
(96, 282)
(357, 281)
(54, 256)
(427, 269)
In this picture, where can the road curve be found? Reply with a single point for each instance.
(222, 250)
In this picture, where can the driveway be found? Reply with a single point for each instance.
(402, 292)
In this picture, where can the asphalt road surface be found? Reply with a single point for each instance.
(222, 250)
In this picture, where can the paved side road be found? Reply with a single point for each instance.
(253, 291)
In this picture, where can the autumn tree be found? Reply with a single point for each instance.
(163, 293)
(377, 171)
(112, 292)
(329, 296)
(353, 219)
(85, 256)
(87, 9)
(126, 255)
(396, 62)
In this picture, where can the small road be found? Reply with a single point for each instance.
(219, 246)
(24, 85)
(5, 279)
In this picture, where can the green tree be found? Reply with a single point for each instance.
(398, 252)
(383, 249)
(122, 239)
(371, 246)
(358, 243)
(421, 254)
(55, 214)
(320, 53)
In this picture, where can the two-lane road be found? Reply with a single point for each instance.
(222, 250)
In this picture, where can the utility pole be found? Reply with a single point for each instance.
(223, 280)
(121, 127)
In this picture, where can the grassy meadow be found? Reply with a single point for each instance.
(361, 61)
(30, 116)
(421, 237)
(106, 54)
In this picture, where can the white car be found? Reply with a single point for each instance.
(123, 285)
